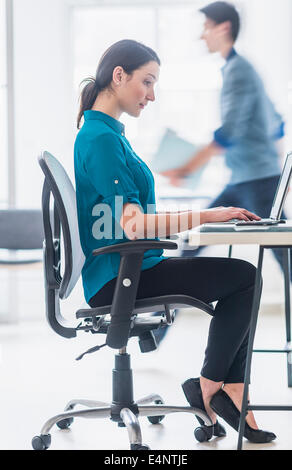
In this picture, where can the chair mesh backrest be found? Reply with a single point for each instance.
(65, 198)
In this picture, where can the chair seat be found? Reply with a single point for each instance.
(152, 304)
(139, 327)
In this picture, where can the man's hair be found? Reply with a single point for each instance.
(221, 12)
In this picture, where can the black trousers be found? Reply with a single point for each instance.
(230, 282)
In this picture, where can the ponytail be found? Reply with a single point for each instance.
(128, 54)
(88, 97)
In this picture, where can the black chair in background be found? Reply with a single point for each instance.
(20, 230)
(119, 321)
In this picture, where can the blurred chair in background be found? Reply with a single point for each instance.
(20, 229)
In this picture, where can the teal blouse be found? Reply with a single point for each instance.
(108, 174)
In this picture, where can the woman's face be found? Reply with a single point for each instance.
(136, 90)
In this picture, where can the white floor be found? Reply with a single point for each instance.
(39, 375)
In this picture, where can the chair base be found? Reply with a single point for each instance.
(128, 418)
(123, 410)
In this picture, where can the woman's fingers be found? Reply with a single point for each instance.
(241, 216)
(224, 214)
(250, 215)
(244, 214)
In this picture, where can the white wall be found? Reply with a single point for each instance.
(43, 93)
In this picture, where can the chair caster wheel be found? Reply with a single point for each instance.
(203, 433)
(139, 447)
(156, 419)
(42, 442)
(65, 423)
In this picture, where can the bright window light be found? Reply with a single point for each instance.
(3, 110)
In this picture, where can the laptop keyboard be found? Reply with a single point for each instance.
(260, 222)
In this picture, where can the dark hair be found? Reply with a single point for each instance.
(221, 12)
(128, 54)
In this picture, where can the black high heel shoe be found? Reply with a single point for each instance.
(222, 404)
(193, 394)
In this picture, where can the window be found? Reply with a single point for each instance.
(3, 110)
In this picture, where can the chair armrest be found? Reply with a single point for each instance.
(137, 246)
(125, 293)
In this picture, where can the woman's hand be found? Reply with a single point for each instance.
(223, 214)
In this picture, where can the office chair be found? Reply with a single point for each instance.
(119, 321)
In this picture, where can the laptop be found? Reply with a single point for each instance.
(278, 203)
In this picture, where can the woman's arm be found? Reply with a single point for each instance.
(138, 225)
(172, 212)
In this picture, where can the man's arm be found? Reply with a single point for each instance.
(194, 164)
(238, 98)
(202, 157)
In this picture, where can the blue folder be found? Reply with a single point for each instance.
(173, 152)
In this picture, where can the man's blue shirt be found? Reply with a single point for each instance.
(108, 174)
(250, 124)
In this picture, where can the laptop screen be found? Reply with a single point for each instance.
(282, 189)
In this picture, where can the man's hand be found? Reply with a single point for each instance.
(176, 175)
(200, 158)
(223, 214)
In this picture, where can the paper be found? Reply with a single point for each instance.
(173, 152)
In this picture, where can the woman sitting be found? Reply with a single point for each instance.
(112, 179)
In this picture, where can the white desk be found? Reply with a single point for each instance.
(226, 235)
(272, 237)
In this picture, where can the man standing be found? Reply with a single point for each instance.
(250, 124)
(250, 127)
